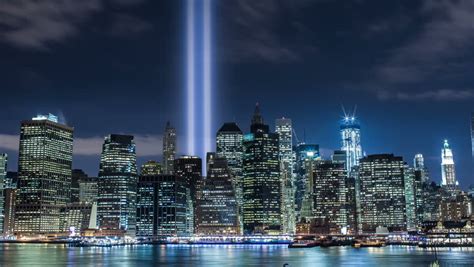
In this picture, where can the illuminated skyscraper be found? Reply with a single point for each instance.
(448, 173)
(306, 155)
(420, 168)
(350, 141)
(161, 206)
(3, 174)
(229, 145)
(288, 208)
(217, 211)
(330, 196)
(261, 183)
(44, 174)
(169, 148)
(189, 168)
(382, 193)
(116, 207)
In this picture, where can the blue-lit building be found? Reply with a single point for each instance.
(350, 141)
(261, 179)
(305, 154)
(117, 185)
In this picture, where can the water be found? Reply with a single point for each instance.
(227, 255)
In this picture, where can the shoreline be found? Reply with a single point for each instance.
(76, 244)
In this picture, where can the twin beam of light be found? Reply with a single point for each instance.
(199, 77)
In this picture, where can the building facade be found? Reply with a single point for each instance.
(44, 175)
(162, 206)
(382, 193)
(189, 168)
(284, 129)
(151, 167)
(350, 141)
(261, 183)
(88, 190)
(217, 210)
(117, 185)
(306, 155)
(330, 196)
(229, 146)
(169, 148)
(448, 172)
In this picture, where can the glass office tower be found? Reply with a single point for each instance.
(117, 185)
(44, 175)
(261, 183)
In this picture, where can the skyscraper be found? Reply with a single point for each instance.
(169, 148)
(189, 168)
(217, 211)
(410, 198)
(261, 183)
(284, 130)
(116, 208)
(229, 145)
(161, 206)
(382, 193)
(330, 196)
(44, 174)
(3, 174)
(305, 154)
(419, 166)
(350, 141)
(448, 173)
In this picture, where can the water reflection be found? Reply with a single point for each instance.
(229, 255)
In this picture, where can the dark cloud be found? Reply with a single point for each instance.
(434, 95)
(36, 24)
(124, 25)
(255, 35)
(434, 53)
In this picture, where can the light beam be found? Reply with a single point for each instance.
(190, 89)
(207, 82)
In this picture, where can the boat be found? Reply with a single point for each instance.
(304, 242)
(368, 243)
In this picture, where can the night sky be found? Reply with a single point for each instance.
(117, 66)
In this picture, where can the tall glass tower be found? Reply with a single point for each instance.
(44, 175)
(350, 137)
(118, 185)
(284, 129)
(261, 182)
(448, 173)
(229, 146)
(169, 148)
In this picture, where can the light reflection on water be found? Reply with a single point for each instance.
(229, 255)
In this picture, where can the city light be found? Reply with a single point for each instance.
(199, 77)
